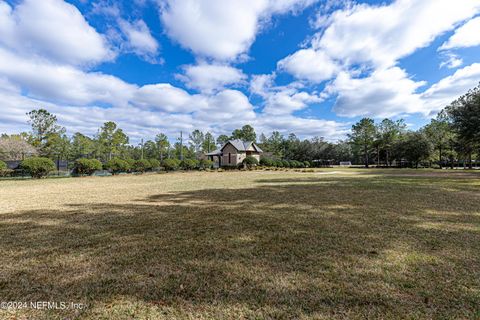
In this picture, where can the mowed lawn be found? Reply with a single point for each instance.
(346, 244)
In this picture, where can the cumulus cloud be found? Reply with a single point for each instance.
(62, 83)
(165, 97)
(359, 47)
(390, 92)
(282, 100)
(309, 64)
(380, 35)
(451, 61)
(375, 36)
(262, 83)
(289, 100)
(385, 93)
(220, 29)
(52, 29)
(211, 77)
(139, 38)
(467, 35)
(450, 88)
(330, 130)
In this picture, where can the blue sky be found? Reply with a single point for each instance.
(304, 66)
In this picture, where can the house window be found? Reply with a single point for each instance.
(229, 157)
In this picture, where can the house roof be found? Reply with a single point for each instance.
(237, 144)
(242, 145)
(214, 153)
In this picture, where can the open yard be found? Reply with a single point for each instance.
(244, 245)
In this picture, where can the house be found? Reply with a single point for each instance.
(233, 152)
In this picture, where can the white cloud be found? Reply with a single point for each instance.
(261, 84)
(390, 92)
(227, 108)
(140, 40)
(220, 29)
(385, 93)
(467, 35)
(381, 35)
(450, 88)
(451, 61)
(52, 29)
(211, 77)
(165, 97)
(282, 100)
(375, 36)
(330, 130)
(62, 83)
(360, 46)
(289, 100)
(309, 64)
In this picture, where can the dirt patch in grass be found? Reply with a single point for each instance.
(244, 245)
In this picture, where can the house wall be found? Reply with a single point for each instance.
(256, 156)
(243, 155)
(236, 157)
(233, 158)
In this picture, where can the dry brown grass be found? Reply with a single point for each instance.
(244, 245)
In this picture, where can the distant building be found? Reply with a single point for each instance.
(233, 152)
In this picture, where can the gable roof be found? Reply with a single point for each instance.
(242, 145)
(217, 152)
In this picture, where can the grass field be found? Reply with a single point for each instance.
(244, 245)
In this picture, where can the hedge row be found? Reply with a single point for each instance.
(39, 167)
(267, 162)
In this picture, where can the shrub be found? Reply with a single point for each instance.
(87, 166)
(142, 165)
(154, 164)
(189, 164)
(267, 162)
(131, 164)
(206, 164)
(250, 162)
(38, 167)
(286, 163)
(296, 164)
(4, 171)
(117, 165)
(170, 164)
(279, 164)
(306, 164)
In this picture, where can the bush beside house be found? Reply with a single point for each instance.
(205, 164)
(38, 167)
(250, 162)
(4, 171)
(141, 165)
(154, 164)
(171, 164)
(85, 166)
(189, 164)
(117, 165)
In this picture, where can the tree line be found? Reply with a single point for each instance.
(452, 138)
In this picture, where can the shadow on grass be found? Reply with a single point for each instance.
(282, 249)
